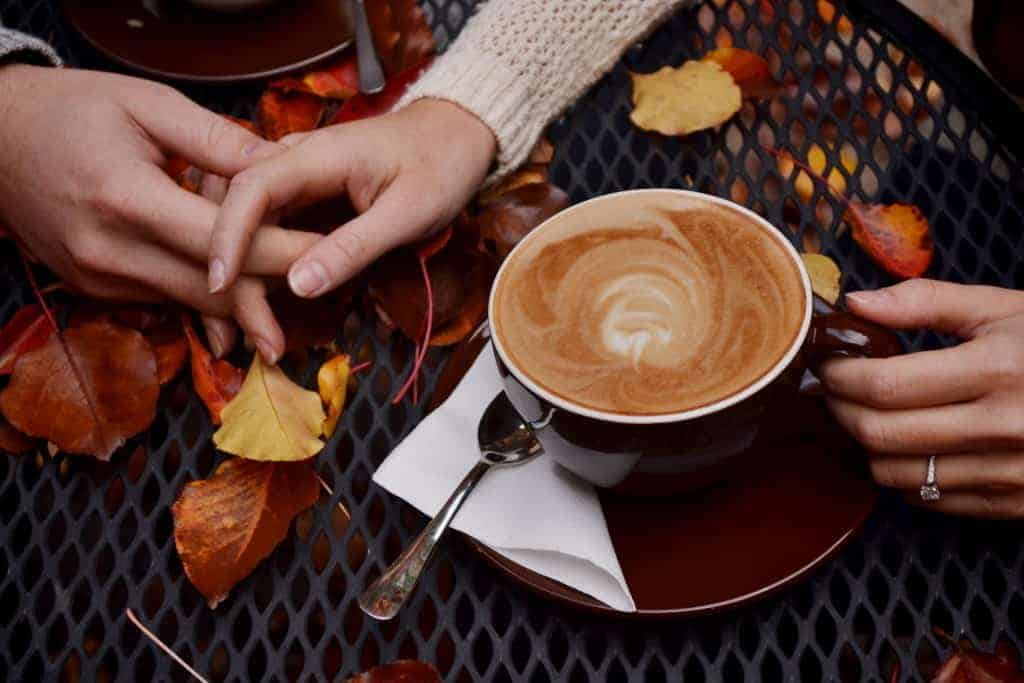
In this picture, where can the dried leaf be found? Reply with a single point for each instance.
(13, 441)
(696, 96)
(400, 34)
(310, 323)
(528, 175)
(402, 671)
(215, 381)
(968, 665)
(510, 217)
(825, 276)
(28, 329)
(226, 525)
(364, 106)
(336, 81)
(750, 71)
(827, 11)
(271, 418)
(99, 378)
(897, 236)
(473, 311)
(817, 160)
(542, 153)
(332, 382)
(279, 114)
(160, 326)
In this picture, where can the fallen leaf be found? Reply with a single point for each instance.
(750, 71)
(364, 106)
(226, 525)
(528, 175)
(897, 236)
(827, 11)
(310, 323)
(824, 275)
(160, 326)
(396, 287)
(473, 311)
(511, 216)
(336, 81)
(400, 34)
(271, 418)
(402, 671)
(13, 441)
(279, 114)
(696, 96)
(87, 390)
(215, 381)
(27, 329)
(542, 153)
(332, 382)
(817, 160)
(969, 665)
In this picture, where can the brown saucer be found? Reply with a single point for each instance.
(797, 504)
(178, 41)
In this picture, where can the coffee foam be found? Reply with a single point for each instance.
(646, 307)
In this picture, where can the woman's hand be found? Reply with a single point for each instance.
(407, 173)
(83, 188)
(964, 404)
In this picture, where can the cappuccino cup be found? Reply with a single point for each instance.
(644, 335)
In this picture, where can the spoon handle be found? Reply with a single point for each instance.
(385, 596)
(371, 74)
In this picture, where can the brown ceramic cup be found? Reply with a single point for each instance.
(674, 452)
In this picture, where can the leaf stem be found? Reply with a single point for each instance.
(780, 154)
(37, 292)
(356, 369)
(421, 349)
(160, 644)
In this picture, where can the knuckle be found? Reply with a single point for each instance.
(87, 253)
(873, 433)
(112, 196)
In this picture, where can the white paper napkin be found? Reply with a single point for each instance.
(537, 514)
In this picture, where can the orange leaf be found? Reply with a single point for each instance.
(87, 389)
(897, 237)
(400, 34)
(365, 106)
(402, 671)
(226, 525)
(749, 70)
(332, 383)
(279, 114)
(11, 440)
(28, 329)
(161, 328)
(528, 175)
(216, 381)
(827, 11)
(336, 81)
(817, 161)
(511, 216)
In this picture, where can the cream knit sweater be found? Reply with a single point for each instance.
(519, 63)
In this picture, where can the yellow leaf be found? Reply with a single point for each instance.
(824, 274)
(695, 96)
(332, 380)
(271, 418)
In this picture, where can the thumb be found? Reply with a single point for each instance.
(941, 306)
(210, 141)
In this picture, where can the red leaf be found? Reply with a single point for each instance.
(511, 216)
(216, 381)
(11, 440)
(311, 323)
(226, 525)
(160, 326)
(400, 34)
(337, 81)
(967, 665)
(279, 114)
(402, 671)
(897, 237)
(365, 106)
(28, 329)
(749, 70)
(86, 390)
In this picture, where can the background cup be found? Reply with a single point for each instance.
(674, 452)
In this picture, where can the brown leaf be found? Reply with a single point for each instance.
(402, 671)
(968, 665)
(160, 326)
(897, 236)
(510, 217)
(310, 323)
(749, 70)
(528, 175)
(215, 381)
(11, 440)
(27, 329)
(400, 34)
(99, 378)
(279, 114)
(226, 525)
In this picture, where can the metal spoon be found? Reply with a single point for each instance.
(371, 74)
(504, 440)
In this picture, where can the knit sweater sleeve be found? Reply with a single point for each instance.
(23, 47)
(519, 63)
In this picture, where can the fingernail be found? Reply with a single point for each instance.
(216, 343)
(266, 351)
(217, 276)
(308, 279)
(864, 297)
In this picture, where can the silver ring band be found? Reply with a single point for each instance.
(930, 491)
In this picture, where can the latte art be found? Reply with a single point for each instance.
(681, 309)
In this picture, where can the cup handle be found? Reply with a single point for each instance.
(835, 332)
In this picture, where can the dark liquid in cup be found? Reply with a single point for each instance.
(644, 307)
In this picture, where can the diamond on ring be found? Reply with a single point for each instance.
(930, 490)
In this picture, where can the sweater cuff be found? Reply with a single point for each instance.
(15, 46)
(490, 90)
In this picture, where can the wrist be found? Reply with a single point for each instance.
(448, 116)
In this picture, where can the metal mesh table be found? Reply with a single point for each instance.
(81, 541)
